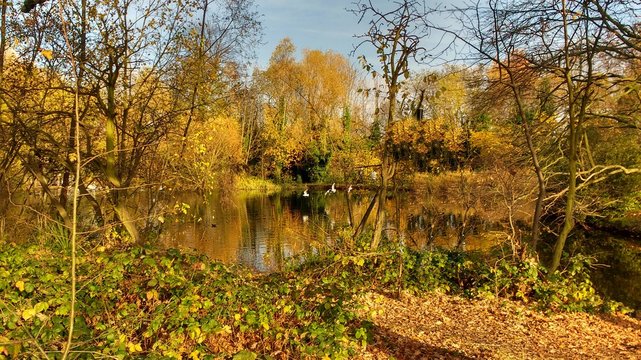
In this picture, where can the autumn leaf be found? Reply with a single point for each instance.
(245, 355)
(48, 54)
(133, 348)
(28, 313)
(152, 295)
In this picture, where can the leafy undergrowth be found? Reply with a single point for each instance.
(168, 304)
(141, 302)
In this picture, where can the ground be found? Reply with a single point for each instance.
(445, 327)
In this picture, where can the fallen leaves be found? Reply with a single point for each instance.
(439, 326)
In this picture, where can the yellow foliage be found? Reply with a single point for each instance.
(494, 148)
(28, 313)
(306, 104)
(48, 54)
(284, 148)
(134, 348)
(212, 148)
(422, 136)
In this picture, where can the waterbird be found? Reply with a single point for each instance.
(305, 193)
(331, 190)
(349, 189)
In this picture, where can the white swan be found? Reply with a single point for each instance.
(331, 190)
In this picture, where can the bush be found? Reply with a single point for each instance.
(145, 302)
(475, 275)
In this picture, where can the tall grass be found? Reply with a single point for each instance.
(251, 183)
(54, 235)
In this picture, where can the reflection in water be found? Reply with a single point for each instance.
(262, 231)
(257, 231)
(618, 271)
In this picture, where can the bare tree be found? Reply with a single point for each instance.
(493, 34)
(567, 43)
(396, 33)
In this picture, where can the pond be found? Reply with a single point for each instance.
(263, 230)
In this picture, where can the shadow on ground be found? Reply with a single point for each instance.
(388, 343)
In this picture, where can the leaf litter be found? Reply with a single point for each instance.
(438, 326)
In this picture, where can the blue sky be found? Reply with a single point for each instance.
(320, 24)
(311, 24)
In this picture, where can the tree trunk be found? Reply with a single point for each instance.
(574, 131)
(568, 224)
(361, 225)
(113, 155)
(110, 132)
(536, 165)
(380, 216)
(71, 140)
(388, 168)
(3, 35)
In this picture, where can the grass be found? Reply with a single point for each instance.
(251, 183)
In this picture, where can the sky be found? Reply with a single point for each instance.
(311, 24)
(322, 25)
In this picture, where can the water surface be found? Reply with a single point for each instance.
(262, 230)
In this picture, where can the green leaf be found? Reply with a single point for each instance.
(41, 306)
(245, 355)
(29, 288)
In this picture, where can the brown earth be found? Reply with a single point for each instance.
(445, 327)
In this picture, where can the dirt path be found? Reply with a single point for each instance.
(446, 327)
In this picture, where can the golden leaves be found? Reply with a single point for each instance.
(28, 313)
(134, 347)
(48, 54)
(20, 285)
(441, 324)
(152, 295)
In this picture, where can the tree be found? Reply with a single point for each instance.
(224, 33)
(3, 34)
(396, 33)
(566, 45)
(494, 31)
(35, 105)
(131, 59)
(309, 96)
